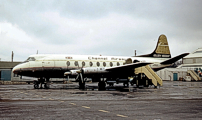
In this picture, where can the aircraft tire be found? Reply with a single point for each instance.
(125, 84)
(137, 84)
(46, 86)
(101, 85)
(81, 85)
(36, 86)
(146, 83)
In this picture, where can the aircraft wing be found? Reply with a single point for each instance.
(127, 66)
(174, 59)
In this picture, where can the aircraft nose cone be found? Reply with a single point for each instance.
(15, 70)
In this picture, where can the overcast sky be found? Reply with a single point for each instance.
(97, 27)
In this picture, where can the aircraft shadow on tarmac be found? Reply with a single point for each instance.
(108, 88)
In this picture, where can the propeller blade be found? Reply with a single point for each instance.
(81, 77)
(77, 76)
(68, 78)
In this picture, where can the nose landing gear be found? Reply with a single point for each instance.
(40, 82)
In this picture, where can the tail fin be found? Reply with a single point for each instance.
(162, 49)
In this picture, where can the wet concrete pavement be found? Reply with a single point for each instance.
(175, 100)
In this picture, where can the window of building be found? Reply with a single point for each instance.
(198, 52)
(188, 61)
(198, 60)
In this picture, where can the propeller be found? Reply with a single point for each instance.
(80, 73)
(67, 74)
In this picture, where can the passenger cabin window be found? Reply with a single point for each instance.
(76, 63)
(104, 64)
(98, 64)
(83, 64)
(68, 63)
(31, 59)
(91, 64)
(111, 64)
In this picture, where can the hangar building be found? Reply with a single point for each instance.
(6, 70)
(192, 62)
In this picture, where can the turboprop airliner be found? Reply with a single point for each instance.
(98, 68)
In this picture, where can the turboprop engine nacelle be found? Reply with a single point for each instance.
(72, 72)
(94, 70)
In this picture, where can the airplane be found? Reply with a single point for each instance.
(98, 68)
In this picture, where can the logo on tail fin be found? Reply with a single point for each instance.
(162, 49)
(162, 46)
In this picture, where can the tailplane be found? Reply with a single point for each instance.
(162, 49)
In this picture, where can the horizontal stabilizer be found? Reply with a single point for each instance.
(174, 59)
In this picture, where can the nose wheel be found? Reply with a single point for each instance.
(36, 86)
(46, 85)
(40, 82)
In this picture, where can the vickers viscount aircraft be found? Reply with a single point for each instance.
(98, 68)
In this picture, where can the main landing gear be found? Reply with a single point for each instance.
(81, 84)
(38, 84)
(102, 85)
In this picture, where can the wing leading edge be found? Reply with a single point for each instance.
(174, 59)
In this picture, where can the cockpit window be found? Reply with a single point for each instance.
(31, 59)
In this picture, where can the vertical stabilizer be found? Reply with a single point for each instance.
(162, 49)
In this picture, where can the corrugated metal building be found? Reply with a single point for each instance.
(191, 62)
(6, 70)
(172, 74)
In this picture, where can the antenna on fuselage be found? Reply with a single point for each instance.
(135, 52)
(37, 52)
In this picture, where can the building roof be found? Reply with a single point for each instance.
(8, 65)
(196, 54)
(176, 69)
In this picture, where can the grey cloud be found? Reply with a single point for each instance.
(179, 20)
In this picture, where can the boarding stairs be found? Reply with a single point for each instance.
(147, 70)
(193, 75)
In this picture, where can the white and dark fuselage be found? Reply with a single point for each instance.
(58, 65)
(54, 65)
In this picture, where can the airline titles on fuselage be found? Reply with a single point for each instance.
(99, 58)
